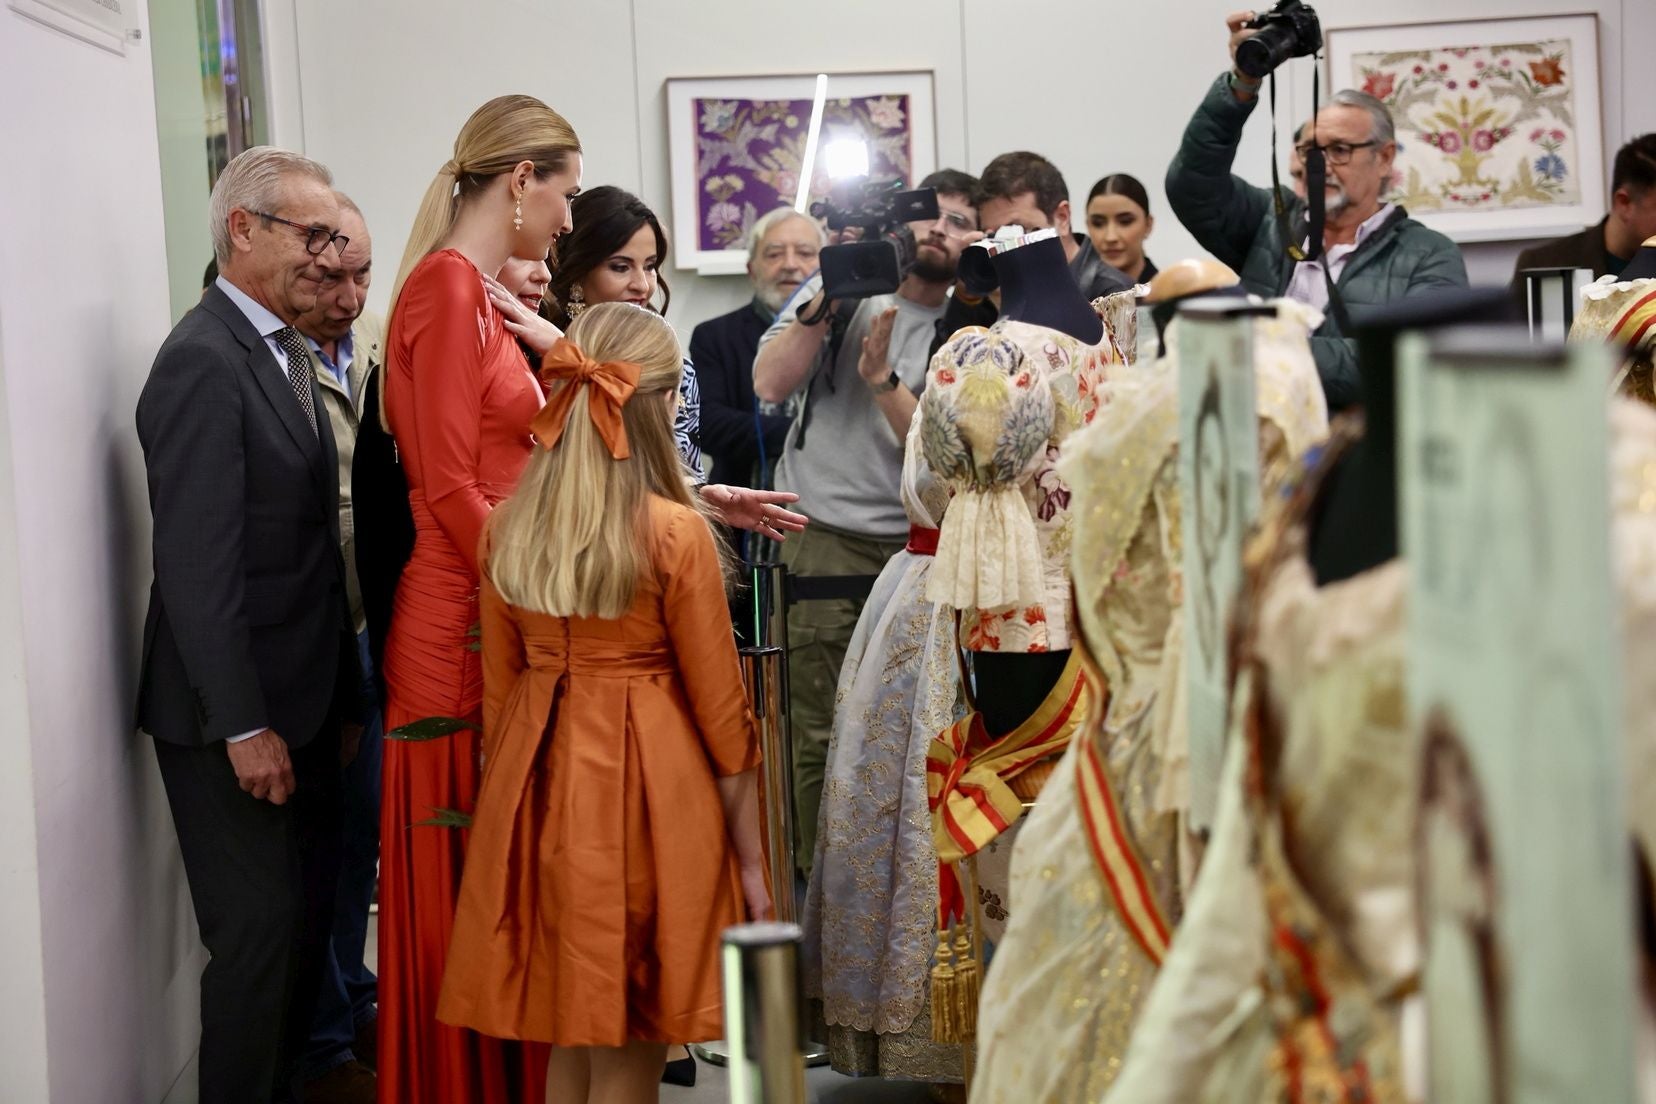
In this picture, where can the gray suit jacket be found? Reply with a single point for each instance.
(247, 625)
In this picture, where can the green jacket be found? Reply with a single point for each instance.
(1237, 223)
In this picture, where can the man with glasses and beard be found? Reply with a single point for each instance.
(1372, 251)
(782, 252)
(844, 456)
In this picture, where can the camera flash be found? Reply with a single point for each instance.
(845, 158)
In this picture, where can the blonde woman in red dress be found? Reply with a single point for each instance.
(459, 397)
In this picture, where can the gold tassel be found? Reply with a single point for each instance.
(945, 999)
(967, 983)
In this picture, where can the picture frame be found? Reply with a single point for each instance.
(1498, 120)
(106, 24)
(736, 144)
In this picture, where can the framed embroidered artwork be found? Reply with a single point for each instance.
(737, 144)
(1498, 132)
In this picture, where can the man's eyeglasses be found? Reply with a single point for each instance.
(1337, 153)
(955, 224)
(317, 238)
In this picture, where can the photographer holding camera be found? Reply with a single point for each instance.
(1370, 251)
(860, 380)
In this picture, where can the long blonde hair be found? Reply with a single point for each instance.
(499, 136)
(572, 540)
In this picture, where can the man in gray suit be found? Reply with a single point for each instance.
(250, 673)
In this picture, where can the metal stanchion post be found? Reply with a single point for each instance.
(763, 670)
(760, 966)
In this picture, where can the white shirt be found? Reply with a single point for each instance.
(266, 323)
(268, 326)
(1308, 285)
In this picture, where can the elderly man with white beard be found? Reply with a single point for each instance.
(782, 252)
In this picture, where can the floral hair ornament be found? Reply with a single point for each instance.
(986, 414)
(608, 385)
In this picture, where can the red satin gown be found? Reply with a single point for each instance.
(459, 396)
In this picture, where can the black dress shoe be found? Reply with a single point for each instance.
(348, 1083)
(366, 1044)
(681, 1071)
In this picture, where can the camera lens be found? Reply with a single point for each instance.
(1258, 55)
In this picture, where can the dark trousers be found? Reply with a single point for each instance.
(819, 635)
(347, 1004)
(262, 878)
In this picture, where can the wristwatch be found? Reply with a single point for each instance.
(888, 386)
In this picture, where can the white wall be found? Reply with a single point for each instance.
(22, 963)
(83, 307)
(1097, 86)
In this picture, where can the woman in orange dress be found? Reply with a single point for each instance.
(459, 398)
(617, 831)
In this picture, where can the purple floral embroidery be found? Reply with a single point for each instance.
(749, 155)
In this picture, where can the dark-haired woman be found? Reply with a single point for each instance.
(1118, 221)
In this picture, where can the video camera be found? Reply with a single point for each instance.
(1289, 30)
(878, 261)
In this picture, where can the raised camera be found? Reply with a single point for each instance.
(1289, 30)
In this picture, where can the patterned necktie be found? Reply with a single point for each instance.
(299, 371)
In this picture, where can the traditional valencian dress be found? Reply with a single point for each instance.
(871, 909)
(1289, 979)
(1623, 313)
(1097, 873)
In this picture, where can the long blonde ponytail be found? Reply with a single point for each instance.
(572, 540)
(500, 135)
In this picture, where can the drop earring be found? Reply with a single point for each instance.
(517, 217)
(577, 304)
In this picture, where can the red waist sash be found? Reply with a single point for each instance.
(922, 541)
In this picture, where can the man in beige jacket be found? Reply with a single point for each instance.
(345, 344)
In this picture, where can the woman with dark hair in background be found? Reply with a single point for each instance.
(615, 255)
(1118, 221)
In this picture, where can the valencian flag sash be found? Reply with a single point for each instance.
(1116, 855)
(1634, 328)
(966, 788)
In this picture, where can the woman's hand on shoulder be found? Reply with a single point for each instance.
(758, 511)
(523, 323)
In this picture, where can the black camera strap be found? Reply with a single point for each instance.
(1316, 173)
(839, 320)
(1314, 197)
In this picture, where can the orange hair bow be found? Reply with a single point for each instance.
(608, 385)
